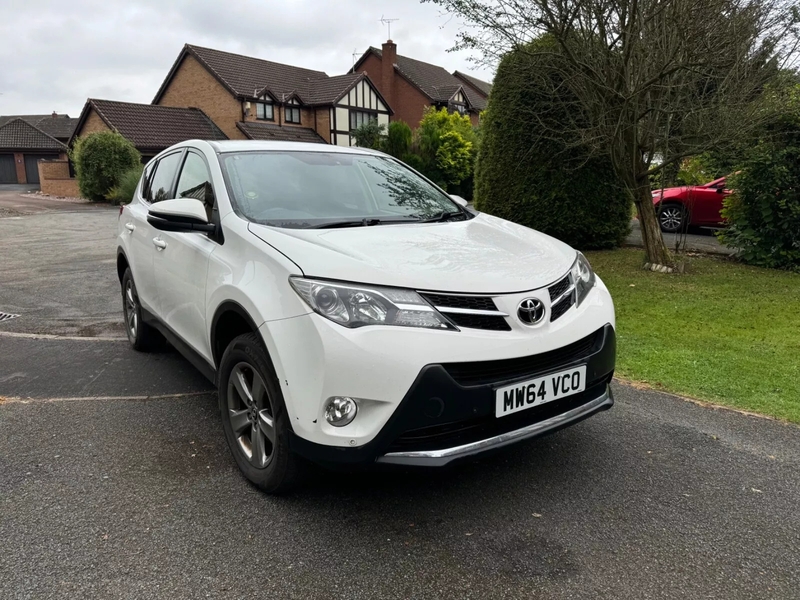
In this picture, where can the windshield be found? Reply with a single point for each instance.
(319, 189)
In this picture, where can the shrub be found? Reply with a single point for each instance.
(370, 135)
(100, 161)
(398, 139)
(122, 193)
(764, 212)
(549, 185)
(448, 145)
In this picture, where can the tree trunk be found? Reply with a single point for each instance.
(655, 249)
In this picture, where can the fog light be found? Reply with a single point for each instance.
(340, 411)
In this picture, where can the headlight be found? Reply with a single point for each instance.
(583, 277)
(357, 306)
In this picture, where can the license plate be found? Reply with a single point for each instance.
(534, 392)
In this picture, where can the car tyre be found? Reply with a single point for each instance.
(254, 416)
(142, 336)
(672, 218)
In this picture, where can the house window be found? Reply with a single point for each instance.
(360, 117)
(265, 111)
(458, 107)
(292, 114)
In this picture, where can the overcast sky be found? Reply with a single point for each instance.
(56, 53)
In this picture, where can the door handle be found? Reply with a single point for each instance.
(159, 243)
(130, 227)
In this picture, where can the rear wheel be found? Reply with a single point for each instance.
(672, 218)
(254, 416)
(142, 336)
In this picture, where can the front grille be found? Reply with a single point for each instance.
(559, 309)
(496, 371)
(449, 435)
(556, 291)
(479, 321)
(469, 319)
(559, 288)
(470, 302)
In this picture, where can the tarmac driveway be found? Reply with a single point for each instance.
(58, 267)
(115, 480)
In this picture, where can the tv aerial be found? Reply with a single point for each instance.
(388, 23)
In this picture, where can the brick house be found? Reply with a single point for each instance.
(252, 98)
(150, 128)
(411, 85)
(22, 146)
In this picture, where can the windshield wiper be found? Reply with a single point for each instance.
(445, 216)
(366, 222)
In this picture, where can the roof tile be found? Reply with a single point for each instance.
(270, 132)
(483, 87)
(434, 81)
(248, 76)
(21, 135)
(60, 127)
(152, 127)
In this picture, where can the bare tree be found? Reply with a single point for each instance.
(646, 82)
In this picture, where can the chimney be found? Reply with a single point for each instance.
(55, 114)
(388, 59)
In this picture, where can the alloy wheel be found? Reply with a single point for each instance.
(671, 218)
(251, 414)
(131, 310)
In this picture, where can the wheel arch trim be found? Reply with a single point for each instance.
(225, 307)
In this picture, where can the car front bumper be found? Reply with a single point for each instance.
(440, 421)
(394, 372)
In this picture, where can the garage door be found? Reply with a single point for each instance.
(8, 172)
(32, 166)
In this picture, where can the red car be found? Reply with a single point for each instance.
(679, 207)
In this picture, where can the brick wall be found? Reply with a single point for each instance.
(93, 124)
(323, 123)
(19, 163)
(407, 102)
(54, 178)
(193, 86)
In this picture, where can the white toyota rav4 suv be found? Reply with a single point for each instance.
(351, 312)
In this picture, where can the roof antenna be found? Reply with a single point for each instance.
(388, 23)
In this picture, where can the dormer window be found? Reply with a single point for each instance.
(292, 112)
(265, 110)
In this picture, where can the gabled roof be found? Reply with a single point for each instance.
(152, 127)
(480, 86)
(328, 90)
(18, 134)
(32, 119)
(269, 132)
(60, 126)
(432, 80)
(245, 76)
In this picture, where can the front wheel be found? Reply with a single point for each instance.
(672, 218)
(254, 416)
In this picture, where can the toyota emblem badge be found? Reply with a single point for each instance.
(531, 311)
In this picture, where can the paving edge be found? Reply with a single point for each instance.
(71, 338)
(641, 385)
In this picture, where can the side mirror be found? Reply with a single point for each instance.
(721, 190)
(181, 215)
(458, 200)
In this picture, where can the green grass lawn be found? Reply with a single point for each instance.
(722, 332)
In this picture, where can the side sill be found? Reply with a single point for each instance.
(189, 353)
